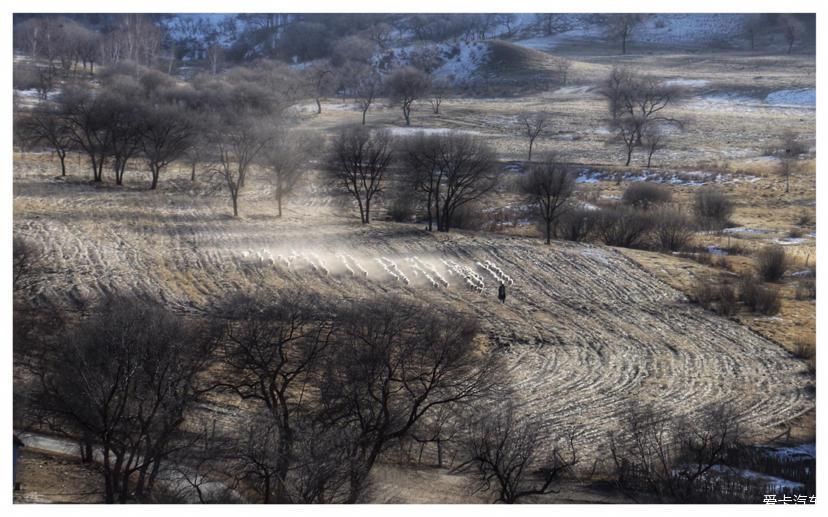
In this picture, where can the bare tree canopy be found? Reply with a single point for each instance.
(549, 184)
(123, 381)
(621, 26)
(165, 137)
(532, 125)
(636, 104)
(285, 159)
(511, 457)
(357, 161)
(452, 170)
(395, 363)
(406, 85)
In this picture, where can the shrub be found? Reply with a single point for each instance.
(704, 293)
(672, 230)
(401, 209)
(758, 297)
(577, 224)
(806, 289)
(624, 227)
(728, 301)
(644, 195)
(804, 349)
(804, 219)
(795, 233)
(470, 216)
(771, 262)
(712, 208)
(719, 297)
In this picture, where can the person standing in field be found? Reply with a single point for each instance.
(501, 293)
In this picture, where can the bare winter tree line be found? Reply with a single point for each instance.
(327, 391)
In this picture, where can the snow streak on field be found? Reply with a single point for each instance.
(583, 330)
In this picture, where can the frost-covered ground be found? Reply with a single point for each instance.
(685, 178)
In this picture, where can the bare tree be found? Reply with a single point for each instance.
(667, 455)
(562, 67)
(166, 135)
(320, 80)
(753, 28)
(44, 125)
(273, 347)
(124, 379)
(405, 86)
(635, 102)
(452, 170)
(508, 21)
(358, 161)
(380, 33)
(507, 453)
(550, 185)
(239, 141)
(467, 164)
(533, 124)
(621, 26)
(285, 159)
(789, 156)
(88, 120)
(792, 28)
(439, 90)
(395, 363)
(368, 87)
(653, 138)
(421, 154)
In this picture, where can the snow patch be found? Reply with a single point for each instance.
(687, 83)
(801, 97)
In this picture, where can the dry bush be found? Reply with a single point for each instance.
(806, 289)
(401, 209)
(795, 233)
(624, 227)
(805, 349)
(704, 293)
(577, 224)
(717, 296)
(644, 195)
(758, 297)
(673, 231)
(771, 263)
(804, 219)
(712, 208)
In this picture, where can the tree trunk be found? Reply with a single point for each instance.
(531, 143)
(407, 114)
(548, 230)
(279, 202)
(318, 106)
(235, 205)
(629, 155)
(155, 173)
(428, 204)
(192, 171)
(62, 157)
(624, 45)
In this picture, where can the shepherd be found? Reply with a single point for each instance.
(501, 293)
